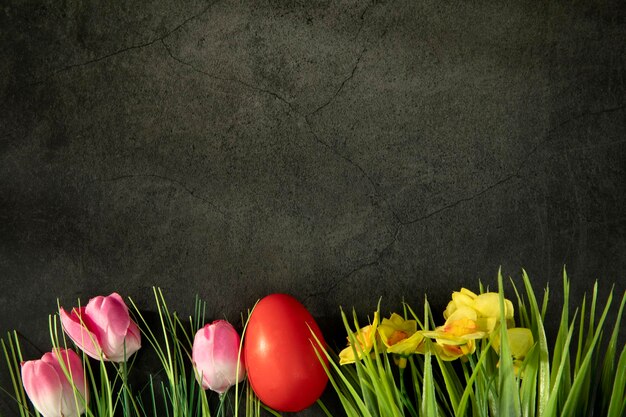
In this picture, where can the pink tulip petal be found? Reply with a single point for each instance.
(130, 345)
(110, 316)
(116, 313)
(133, 339)
(72, 366)
(201, 354)
(43, 386)
(72, 406)
(52, 359)
(75, 365)
(75, 327)
(226, 353)
(223, 375)
(215, 353)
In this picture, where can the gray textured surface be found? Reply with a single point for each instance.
(336, 151)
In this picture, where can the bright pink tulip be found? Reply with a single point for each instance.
(103, 329)
(49, 388)
(215, 351)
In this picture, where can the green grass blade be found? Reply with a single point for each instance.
(429, 402)
(452, 384)
(608, 370)
(618, 394)
(579, 395)
(563, 327)
(528, 389)
(508, 394)
(460, 410)
(539, 334)
(350, 398)
(13, 357)
(552, 407)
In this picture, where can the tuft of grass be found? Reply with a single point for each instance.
(172, 391)
(582, 373)
(578, 375)
(180, 394)
(13, 358)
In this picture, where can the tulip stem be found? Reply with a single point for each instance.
(125, 384)
(221, 409)
(129, 402)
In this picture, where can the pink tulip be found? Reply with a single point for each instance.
(214, 353)
(103, 329)
(49, 388)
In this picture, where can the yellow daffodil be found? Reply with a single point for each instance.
(408, 346)
(462, 324)
(486, 305)
(449, 352)
(463, 298)
(395, 329)
(456, 337)
(401, 338)
(520, 342)
(365, 338)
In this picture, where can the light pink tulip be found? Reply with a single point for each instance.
(215, 351)
(103, 328)
(49, 388)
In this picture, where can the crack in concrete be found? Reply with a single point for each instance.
(354, 164)
(399, 222)
(343, 83)
(603, 111)
(104, 57)
(173, 181)
(295, 113)
(596, 146)
(585, 114)
(462, 200)
(362, 18)
(128, 48)
(375, 262)
(227, 79)
(516, 174)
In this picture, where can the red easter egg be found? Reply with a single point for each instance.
(280, 356)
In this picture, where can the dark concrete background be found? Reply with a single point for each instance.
(339, 152)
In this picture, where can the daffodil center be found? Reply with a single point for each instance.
(460, 327)
(396, 337)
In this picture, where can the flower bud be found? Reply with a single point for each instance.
(215, 355)
(103, 329)
(51, 391)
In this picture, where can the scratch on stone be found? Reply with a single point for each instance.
(227, 79)
(585, 114)
(103, 57)
(362, 18)
(343, 83)
(336, 283)
(516, 174)
(603, 111)
(476, 195)
(176, 182)
(355, 165)
(189, 19)
(295, 112)
(339, 281)
(8, 134)
(133, 47)
(596, 146)
(457, 202)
